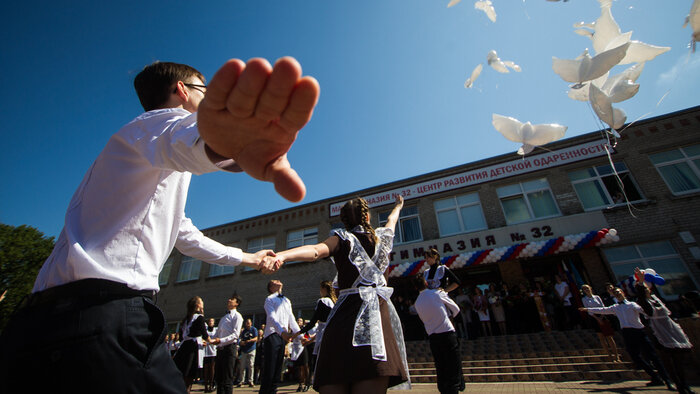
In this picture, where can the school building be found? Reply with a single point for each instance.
(580, 205)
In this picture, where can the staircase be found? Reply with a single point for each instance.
(554, 356)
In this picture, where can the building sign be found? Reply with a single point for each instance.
(474, 177)
(540, 230)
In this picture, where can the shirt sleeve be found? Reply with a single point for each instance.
(603, 310)
(452, 307)
(191, 242)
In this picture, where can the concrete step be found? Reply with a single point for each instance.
(559, 376)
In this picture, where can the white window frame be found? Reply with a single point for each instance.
(644, 262)
(458, 211)
(309, 236)
(403, 216)
(598, 178)
(527, 201)
(687, 159)
(193, 268)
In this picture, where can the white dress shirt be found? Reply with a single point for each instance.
(435, 308)
(627, 313)
(229, 328)
(280, 317)
(561, 288)
(129, 211)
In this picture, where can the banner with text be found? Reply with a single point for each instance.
(497, 171)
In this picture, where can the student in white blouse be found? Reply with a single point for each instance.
(129, 212)
(636, 340)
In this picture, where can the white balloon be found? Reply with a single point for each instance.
(487, 7)
(693, 19)
(499, 65)
(612, 232)
(474, 75)
(588, 68)
(602, 106)
(526, 133)
(616, 238)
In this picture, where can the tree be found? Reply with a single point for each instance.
(23, 250)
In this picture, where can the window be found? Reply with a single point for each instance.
(189, 269)
(459, 214)
(598, 187)
(165, 272)
(258, 244)
(408, 227)
(660, 256)
(680, 168)
(220, 270)
(527, 201)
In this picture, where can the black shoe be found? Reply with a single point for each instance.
(670, 385)
(655, 382)
(300, 388)
(306, 388)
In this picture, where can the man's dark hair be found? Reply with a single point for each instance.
(154, 83)
(236, 297)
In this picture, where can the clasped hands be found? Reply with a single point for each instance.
(265, 261)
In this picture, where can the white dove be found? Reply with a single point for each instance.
(499, 65)
(602, 106)
(619, 87)
(607, 35)
(475, 74)
(584, 68)
(526, 133)
(487, 7)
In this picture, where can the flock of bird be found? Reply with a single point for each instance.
(589, 75)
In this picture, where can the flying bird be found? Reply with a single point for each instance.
(606, 35)
(475, 74)
(585, 68)
(499, 65)
(526, 133)
(619, 87)
(487, 7)
(602, 106)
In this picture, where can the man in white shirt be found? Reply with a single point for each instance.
(564, 294)
(129, 212)
(280, 325)
(435, 308)
(227, 341)
(636, 340)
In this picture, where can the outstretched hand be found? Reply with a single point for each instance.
(252, 113)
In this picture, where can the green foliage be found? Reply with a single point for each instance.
(23, 250)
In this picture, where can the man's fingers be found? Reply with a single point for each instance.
(301, 104)
(244, 97)
(276, 94)
(222, 83)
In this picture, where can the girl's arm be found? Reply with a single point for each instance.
(394, 215)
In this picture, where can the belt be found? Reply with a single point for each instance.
(89, 289)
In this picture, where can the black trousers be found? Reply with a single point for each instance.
(448, 363)
(225, 362)
(643, 353)
(87, 336)
(273, 346)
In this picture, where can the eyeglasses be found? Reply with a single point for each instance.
(201, 88)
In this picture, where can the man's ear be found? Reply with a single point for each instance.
(181, 91)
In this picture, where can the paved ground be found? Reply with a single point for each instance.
(534, 387)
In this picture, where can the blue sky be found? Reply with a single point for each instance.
(391, 72)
